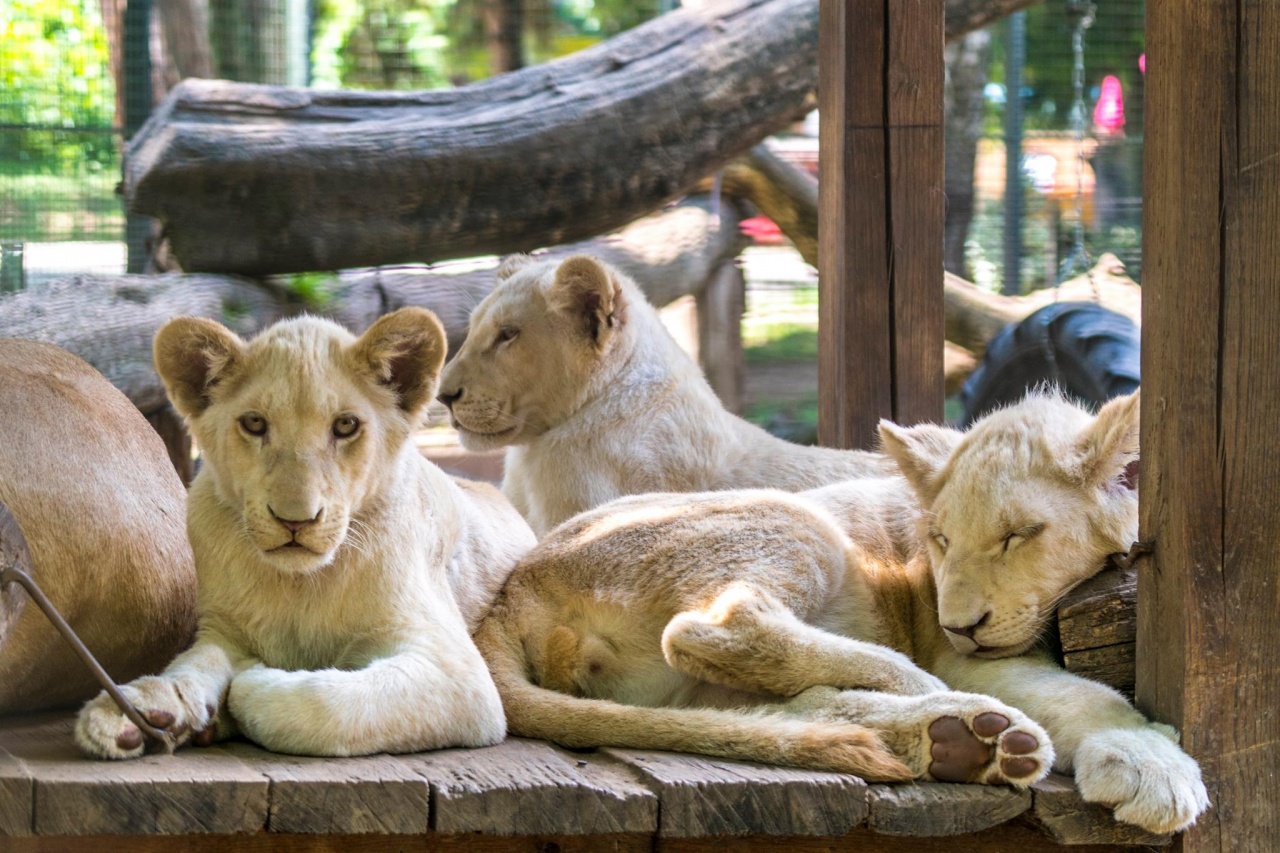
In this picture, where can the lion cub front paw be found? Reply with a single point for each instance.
(103, 731)
(1149, 780)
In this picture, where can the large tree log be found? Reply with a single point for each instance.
(256, 179)
(109, 321)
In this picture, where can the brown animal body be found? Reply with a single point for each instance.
(90, 485)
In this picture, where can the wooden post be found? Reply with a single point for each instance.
(1209, 603)
(880, 203)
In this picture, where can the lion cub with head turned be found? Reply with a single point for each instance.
(568, 364)
(824, 629)
(339, 572)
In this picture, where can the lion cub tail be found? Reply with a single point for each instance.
(533, 711)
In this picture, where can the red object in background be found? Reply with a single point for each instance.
(762, 230)
(1108, 115)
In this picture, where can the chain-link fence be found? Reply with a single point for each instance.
(76, 76)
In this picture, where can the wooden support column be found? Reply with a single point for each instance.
(880, 203)
(1209, 600)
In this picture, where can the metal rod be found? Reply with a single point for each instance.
(12, 574)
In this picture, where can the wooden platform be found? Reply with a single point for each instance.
(521, 795)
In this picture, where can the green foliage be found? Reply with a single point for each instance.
(54, 73)
(381, 44)
(313, 289)
(1112, 45)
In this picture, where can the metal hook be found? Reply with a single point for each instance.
(12, 574)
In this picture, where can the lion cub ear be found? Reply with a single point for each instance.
(922, 453)
(587, 291)
(1107, 449)
(403, 350)
(512, 264)
(194, 356)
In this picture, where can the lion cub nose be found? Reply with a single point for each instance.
(449, 397)
(968, 630)
(294, 526)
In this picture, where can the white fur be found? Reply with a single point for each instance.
(358, 641)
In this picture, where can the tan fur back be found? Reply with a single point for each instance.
(91, 485)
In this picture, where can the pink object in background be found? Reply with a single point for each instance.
(1108, 115)
(1142, 63)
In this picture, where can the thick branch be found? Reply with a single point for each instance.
(259, 179)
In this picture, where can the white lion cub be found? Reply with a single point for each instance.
(339, 572)
(674, 621)
(568, 364)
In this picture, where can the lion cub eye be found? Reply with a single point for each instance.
(1021, 535)
(942, 541)
(345, 426)
(253, 423)
(506, 334)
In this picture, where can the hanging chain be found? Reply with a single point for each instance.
(1083, 11)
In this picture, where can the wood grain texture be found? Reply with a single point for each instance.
(340, 796)
(271, 842)
(525, 787)
(880, 217)
(556, 152)
(710, 796)
(1014, 837)
(208, 791)
(931, 809)
(1097, 626)
(17, 796)
(916, 241)
(1065, 815)
(1210, 495)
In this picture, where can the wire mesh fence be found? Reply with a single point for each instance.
(71, 69)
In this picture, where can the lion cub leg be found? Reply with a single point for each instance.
(186, 700)
(945, 737)
(748, 640)
(414, 699)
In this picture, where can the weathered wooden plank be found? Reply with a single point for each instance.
(1102, 611)
(880, 203)
(271, 842)
(918, 212)
(194, 791)
(525, 787)
(711, 796)
(1207, 610)
(17, 796)
(1111, 665)
(931, 809)
(1059, 808)
(1013, 837)
(340, 796)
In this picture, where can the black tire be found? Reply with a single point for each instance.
(1088, 352)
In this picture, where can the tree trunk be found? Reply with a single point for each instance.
(186, 35)
(109, 321)
(967, 62)
(504, 34)
(261, 180)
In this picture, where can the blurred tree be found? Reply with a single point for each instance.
(967, 61)
(54, 73)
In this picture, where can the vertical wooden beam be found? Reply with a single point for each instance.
(880, 203)
(1209, 603)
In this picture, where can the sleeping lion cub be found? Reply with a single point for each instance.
(783, 627)
(339, 572)
(569, 364)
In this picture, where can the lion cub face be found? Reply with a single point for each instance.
(534, 346)
(299, 426)
(1021, 509)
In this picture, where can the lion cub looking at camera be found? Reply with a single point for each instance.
(339, 572)
(824, 629)
(568, 364)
